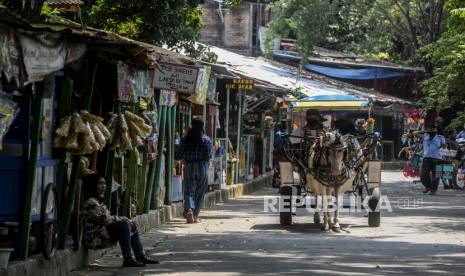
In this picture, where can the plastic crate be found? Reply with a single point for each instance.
(416, 160)
(444, 171)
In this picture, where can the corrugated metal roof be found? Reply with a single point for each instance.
(283, 76)
(64, 2)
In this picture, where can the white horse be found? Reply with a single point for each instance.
(328, 176)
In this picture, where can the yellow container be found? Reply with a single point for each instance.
(230, 172)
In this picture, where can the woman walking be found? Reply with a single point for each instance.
(196, 151)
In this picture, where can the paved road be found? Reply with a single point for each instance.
(238, 238)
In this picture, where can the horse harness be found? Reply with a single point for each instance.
(323, 173)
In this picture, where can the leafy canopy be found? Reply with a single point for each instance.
(306, 21)
(176, 23)
(445, 88)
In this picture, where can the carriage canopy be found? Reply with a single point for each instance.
(332, 102)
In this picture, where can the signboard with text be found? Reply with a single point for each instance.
(176, 77)
(241, 84)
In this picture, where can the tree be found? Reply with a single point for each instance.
(445, 88)
(175, 23)
(359, 27)
(414, 24)
(307, 21)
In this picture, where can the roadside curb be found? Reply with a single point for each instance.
(68, 260)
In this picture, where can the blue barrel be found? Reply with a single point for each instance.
(12, 185)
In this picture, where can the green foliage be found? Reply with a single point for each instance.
(387, 29)
(446, 87)
(306, 21)
(231, 3)
(176, 23)
(48, 12)
(201, 52)
(360, 28)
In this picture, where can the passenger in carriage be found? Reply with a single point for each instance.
(314, 123)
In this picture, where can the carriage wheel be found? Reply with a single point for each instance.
(276, 181)
(285, 216)
(77, 226)
(49, 226)
(374, 216)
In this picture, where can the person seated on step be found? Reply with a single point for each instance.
(102, 230)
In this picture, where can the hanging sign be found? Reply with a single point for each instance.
(203, 81)
(176, 77)
(242, 84)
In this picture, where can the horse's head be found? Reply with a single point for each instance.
(336, 147)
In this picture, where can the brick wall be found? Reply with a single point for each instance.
(233, 33)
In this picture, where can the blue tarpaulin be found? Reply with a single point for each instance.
(357, 74)
(333, 97)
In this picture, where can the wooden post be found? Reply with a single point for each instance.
(238, 144)
(226, 150)
(158, 167)
(25, 223)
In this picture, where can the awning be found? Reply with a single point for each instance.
(332, 97)
(331, 105)
(332, 102)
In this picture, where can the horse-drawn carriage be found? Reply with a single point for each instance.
(327, 166)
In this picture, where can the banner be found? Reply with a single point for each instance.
(132, 83)
(46, 53)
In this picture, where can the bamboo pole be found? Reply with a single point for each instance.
(142, 181)
(151, 174)
(64, 109)
(110, 159)
(158, 167)
(130, 183)
(76, 161)
(25, 223)
(169, 156)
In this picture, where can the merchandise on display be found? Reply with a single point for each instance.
(81, 133)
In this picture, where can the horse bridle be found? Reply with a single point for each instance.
(323, 174)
